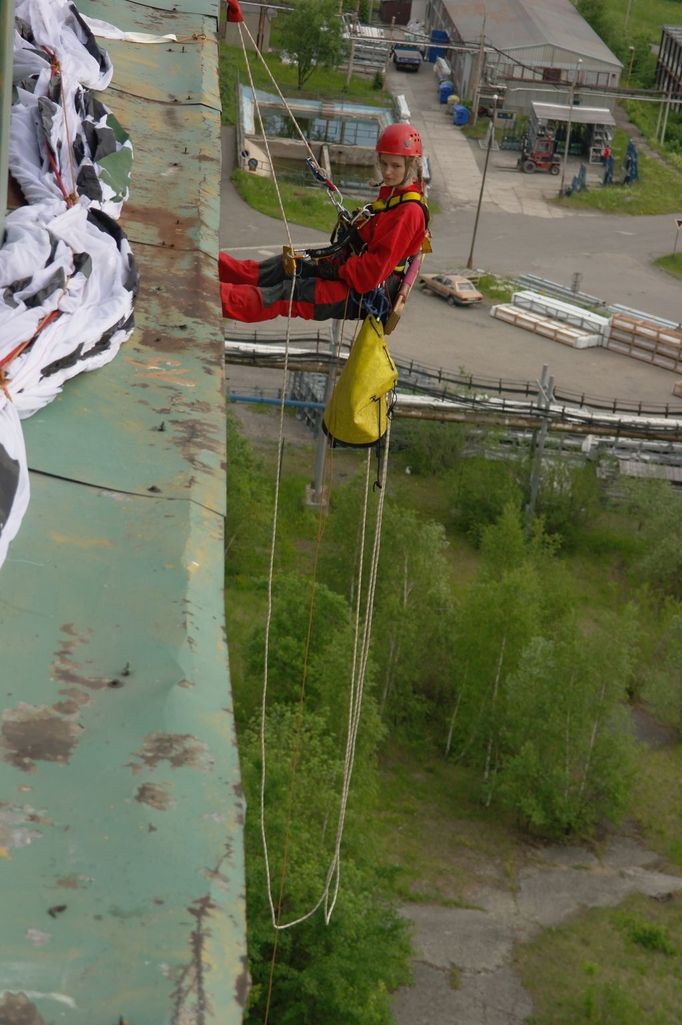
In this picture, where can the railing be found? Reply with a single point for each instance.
(440, 383)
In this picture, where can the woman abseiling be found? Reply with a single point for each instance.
(342, 284)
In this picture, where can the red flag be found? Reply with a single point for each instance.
(234, 11)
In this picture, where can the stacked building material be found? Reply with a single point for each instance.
(647, 341)
(557, 330)
(555, 309)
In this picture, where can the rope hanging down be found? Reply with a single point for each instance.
(363, 619)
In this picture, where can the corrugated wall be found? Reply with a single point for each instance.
(121, 867)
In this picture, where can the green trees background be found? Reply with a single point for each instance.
(514, 652)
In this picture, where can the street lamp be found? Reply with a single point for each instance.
(491, 136)
(571, 98)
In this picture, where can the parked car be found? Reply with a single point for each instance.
(457, 289)
(406, 57)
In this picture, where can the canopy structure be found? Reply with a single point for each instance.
(577, 115)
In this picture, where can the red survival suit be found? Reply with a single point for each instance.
(252, 291)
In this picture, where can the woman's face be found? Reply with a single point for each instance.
(392, 168)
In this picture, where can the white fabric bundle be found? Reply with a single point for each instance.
(67, 275)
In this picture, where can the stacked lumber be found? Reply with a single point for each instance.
(548, 327)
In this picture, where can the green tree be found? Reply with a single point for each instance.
(313, 35)
(413, 608)
(342, 972)
(480, 488)
(567, 747)
(414, 619)
(569, 498)
(497, 619)
(429, 449)
(658, 512)
(247, 523)
(309, 624)
(661, 664)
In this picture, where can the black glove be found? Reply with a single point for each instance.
(314, 269)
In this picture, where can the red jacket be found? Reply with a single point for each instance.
(391, 236)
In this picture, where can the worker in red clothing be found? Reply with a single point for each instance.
(344, 281)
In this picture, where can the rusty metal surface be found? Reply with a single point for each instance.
(121, 866)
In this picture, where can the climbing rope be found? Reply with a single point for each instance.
(362, 633)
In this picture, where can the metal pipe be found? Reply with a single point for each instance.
(262, 401)
(6, 70)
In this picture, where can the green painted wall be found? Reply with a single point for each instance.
(121, 866)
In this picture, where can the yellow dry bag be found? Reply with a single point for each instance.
(357, 411)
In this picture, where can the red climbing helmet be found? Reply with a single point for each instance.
(400, 140)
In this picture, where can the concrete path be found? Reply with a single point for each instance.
(457, 164)
(480, 943)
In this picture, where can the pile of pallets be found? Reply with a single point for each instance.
(647, 341)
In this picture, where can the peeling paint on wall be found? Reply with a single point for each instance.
(178, 749)
(34, 733)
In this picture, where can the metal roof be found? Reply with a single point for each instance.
(121, 859)
(579, 115)
(516, 24)
(675, 31)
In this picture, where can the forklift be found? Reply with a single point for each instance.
(537, 152)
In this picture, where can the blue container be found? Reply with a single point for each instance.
(445, 89)
(460, 115)
(438, 36)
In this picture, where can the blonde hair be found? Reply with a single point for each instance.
(413, 172)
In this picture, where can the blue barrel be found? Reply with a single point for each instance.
(438, 36)
(445, 89)
(460, 115)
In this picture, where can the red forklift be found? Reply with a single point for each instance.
(537, 153)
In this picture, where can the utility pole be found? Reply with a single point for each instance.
(627, 15)
(491, 137)
(351, 56)
(478, 73)
(545, 398)
(571, 99)
(260, 34)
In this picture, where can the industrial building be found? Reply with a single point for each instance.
(532, 52)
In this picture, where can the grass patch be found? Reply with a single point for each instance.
(307, 206)
(496, 290)
(615, 966)
(656, 801)
(645, 116)
(325, 83)
(657, 190)
(671, 264)
(645, 18)
(436, 838)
